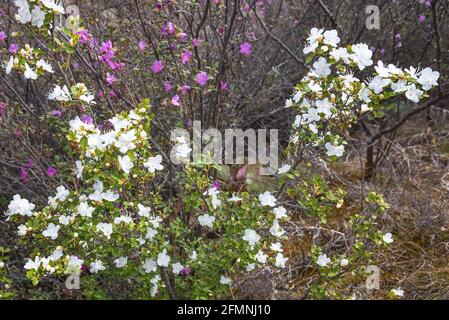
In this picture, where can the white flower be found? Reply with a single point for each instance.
(125, 163)
(177, 267)
(276, 229)
(428, 78)
(321, 68)
(88, 98)
(30, 264)
(250, 267)
(331, 38)
(284, 169)
(155, 220)
(193, 256)
(235, 198)
(344, 262)
(149, 265)
(110, 196)
(96, 266)
(206, 220)
(280, 260)
(324, 106)
(62, 193)
(44, 65)
(215, 201)
(280, 212)
(79, 169)
(22, 230)
(9, 65)
(37, 17)
(397, 292)
(251, 237)
(297, 97)
(314, 36)
(277, 246)
(51, 231)
(388, 238)
(377, 84)
(361, 55)
(20, 206)
(23, 14)
(288, 103)
(261, 257)
(121, 262)
(340, 54)
(64, 220)
(333, 150)
(50, 4)
(84, 209)
(399, 86)
(151, 233)
(74, 264)
(267, 199)
(143, 211)
(56, 255)
(225, 280)
(124, 219)
(154, 163)
(105, 228)
(323, 260)
(29, 73)
(119, 124)
(163, 259)
(60, 94)
(413, 93)
(183, 150)
(126, 141)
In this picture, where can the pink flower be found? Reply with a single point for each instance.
(87, 119)
(421, 18)
(2, 108)
(157, 66)
(185, 89)
(167, 86)
(428, 3)
(185, 57)
(51, 172)
(110, 78)
(24, 175)
(56, 113)
(201, 78)
(245, 48)
(224, 86)
(167, 29)
(182, 36)
(142, 45)
(2, 36)
(175, 101)
(13, 48)
(84, 35)
(196, 42)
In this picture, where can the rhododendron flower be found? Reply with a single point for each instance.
(185, 89)
(51, 231)
(13, 48)
(29, 72)
(168, 29)
(323, 260)
(251, 237)
(267, 199)
(20, 206)
(56, 113)
(280, 261)
(121, 262)
(177, 267)
(154, 163)
(110, 79)
(224, 86)
(182, 36)
(334, 150)
(163, 259)
(51, 171)
(225, 280)
(167, 86)
(142, 45)
(96, 266)
(422, 18)
(157, 66)
(175, 101)
(201, 78)
(185, 57)
(149, 265)
(24, 175)
(388, 238)
(245, 48)
(125, 163)
(196, 42)
(2, 36)
(206, 220)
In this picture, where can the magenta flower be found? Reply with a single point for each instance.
(13, 48)
(185, 271)
(2, 36)
(29, 164)
(24, 175)
(428, 3)
(201, 78)
(142, 45)
(167, 86)
(112, 94)
(110, 78)
(84, 35)
(168, 29)
(157, 66)
(196, 42)
(251, 36)
(185, 89)
(51, 172)
(216, 185)
(421, 18)
(185, 57)
(182, 36)
(2, 108)
(87, 119)
(224, 86)
(175, 101)
(56, 113)
(245, 48)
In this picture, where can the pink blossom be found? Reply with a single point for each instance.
(51, 171)
(110, 78)
(201, 78)
(142, 45)
(168, 29)
(422, 18)
(185, 57)
(245, 48)
(185, 89)
(175, 101)
(84, 35)
(2, 108)
(56, 113)
(182, 36)
(196, 42)
(2, 36)
(13, 48)
(224, 86)
(87, 119)
(157, 66)
(428, 3)
(167, 86)
(24, 175)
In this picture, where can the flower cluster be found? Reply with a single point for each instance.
(28, 61)
(330, 98)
